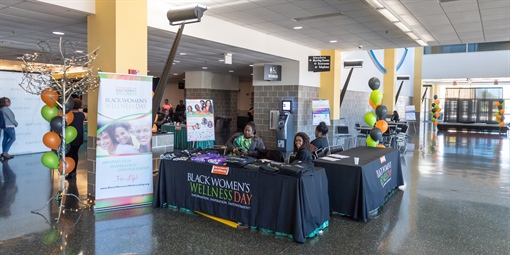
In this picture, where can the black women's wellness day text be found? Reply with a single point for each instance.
(220, 190)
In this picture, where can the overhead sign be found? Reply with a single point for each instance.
(318, 63)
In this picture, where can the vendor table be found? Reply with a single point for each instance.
(355, 190)
(281, 203)
(181, 139)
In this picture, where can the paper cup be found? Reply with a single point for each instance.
(356, 160)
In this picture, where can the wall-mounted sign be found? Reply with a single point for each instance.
(272, 73)
(318, 63)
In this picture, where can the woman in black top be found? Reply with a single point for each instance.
(395, 117)
(321, 142)
(302, 147)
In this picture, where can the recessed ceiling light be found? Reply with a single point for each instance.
(221, 60)
(333, 41)
(182, 53)
(176, 74)
(177, 61)
(296, 28)
(79, 51)
(251, 65)
(58, 33)
(230, 71)
(204, 67)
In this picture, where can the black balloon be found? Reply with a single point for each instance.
(501, 101)
(500, 106)
(374, 83)
(69, 105)
(502, 118)
(433, 104)
(381, 111)
(56, 124)
(376, 134)
(435, 96)
(434, 110)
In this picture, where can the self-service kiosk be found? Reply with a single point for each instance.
(285, 128)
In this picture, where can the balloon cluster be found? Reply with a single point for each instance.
(499, 114)
(377, 119)
(435, 111)
(61, 133)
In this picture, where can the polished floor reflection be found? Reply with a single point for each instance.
(456, 200)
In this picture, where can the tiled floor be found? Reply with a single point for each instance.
(456, 200)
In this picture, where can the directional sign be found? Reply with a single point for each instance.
(318, 63)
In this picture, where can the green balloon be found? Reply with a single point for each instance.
(71, 134)
(370, 118)
(50, 159)
(371, 142)
(433, 119)
(49, 112)
(437, 106)
(376, 97)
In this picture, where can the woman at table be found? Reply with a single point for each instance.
(303, 148)
(395, 118)
(321, 140)
(246, 143)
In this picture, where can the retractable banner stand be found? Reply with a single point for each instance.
(320, 112)
(410, 113)
(199, 120)
(124, 142)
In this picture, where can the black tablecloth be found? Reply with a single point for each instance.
(355, 190)
(281, 203)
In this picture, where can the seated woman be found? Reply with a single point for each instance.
(321, 142)
(246, 143)
(395, 117)
(302, 148)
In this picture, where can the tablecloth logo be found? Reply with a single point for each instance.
(220, 190)
(384, 174)
(223, 170)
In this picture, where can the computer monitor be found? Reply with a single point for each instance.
(287, 106)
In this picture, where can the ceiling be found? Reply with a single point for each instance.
(350, 23)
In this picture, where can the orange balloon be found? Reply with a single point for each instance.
(438, 109)
(69, 165)
(498, 117)
(382, 125)
(372, 104)
(502, 124)
(49, 97)
(496, 103)
(502, 111)
(51, 140)
(381, 146)
(437, 101)
(437, 115)
(69, 117)
(435, 123)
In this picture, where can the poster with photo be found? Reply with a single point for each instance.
(124, 141)
(320, 111)
(199, 120)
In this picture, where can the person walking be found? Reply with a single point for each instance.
(10, 124)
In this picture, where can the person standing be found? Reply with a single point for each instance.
(77, 123)
(10, 124)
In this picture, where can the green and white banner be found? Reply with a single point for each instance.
(124, 141)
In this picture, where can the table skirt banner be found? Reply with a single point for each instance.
(124, 142)
(286, 204)
(355, 190)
